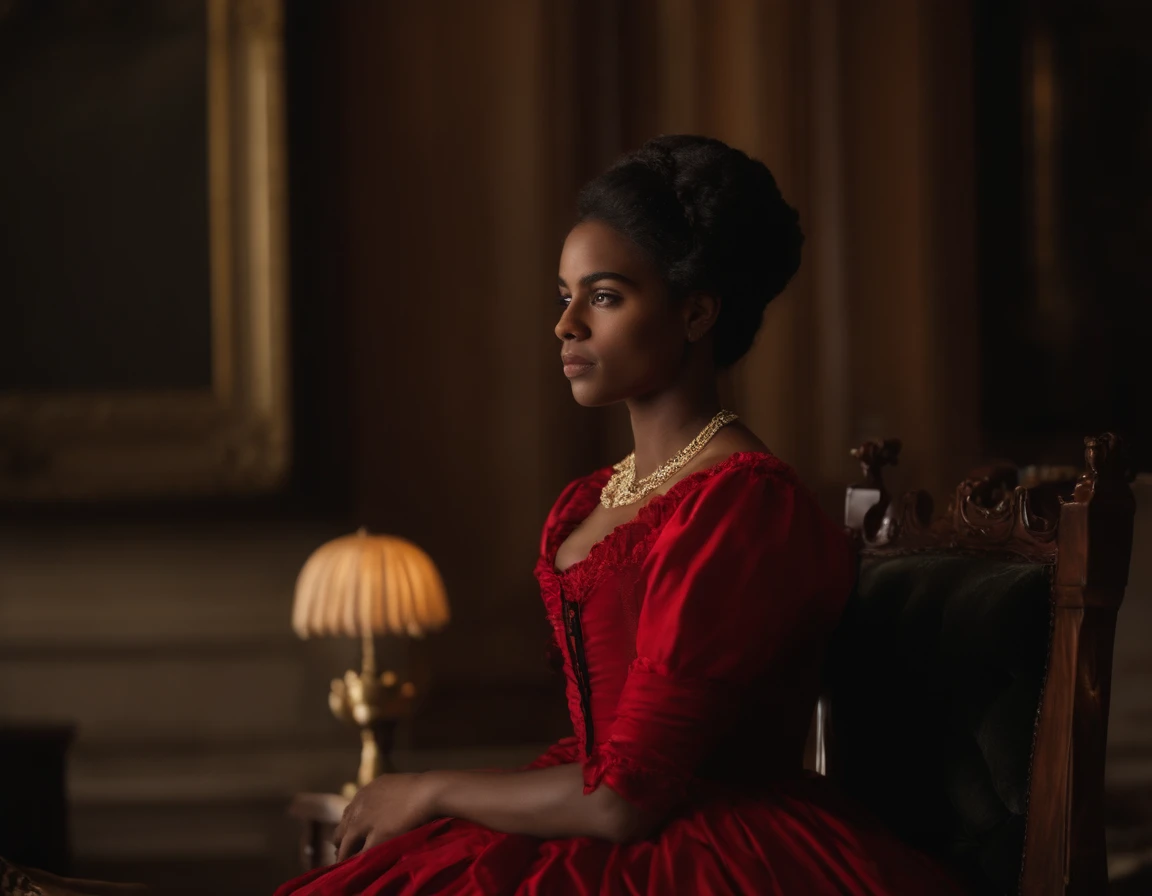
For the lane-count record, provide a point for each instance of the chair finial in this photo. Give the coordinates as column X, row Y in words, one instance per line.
column 874, row 456
column 1105, row 465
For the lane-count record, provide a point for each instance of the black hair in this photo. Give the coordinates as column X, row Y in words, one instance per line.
column 713, row 220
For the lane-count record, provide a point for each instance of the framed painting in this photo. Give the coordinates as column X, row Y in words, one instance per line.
column 143, row 332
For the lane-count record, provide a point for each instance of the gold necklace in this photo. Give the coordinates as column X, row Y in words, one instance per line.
column 623, row 488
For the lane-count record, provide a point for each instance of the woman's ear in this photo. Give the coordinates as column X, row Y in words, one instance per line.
column 700, row 312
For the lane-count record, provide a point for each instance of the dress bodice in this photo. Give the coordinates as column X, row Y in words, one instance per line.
column 674, row 613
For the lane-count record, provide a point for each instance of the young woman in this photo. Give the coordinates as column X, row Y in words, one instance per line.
column 692, row 589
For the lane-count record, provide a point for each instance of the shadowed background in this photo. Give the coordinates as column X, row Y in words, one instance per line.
column 973, row 181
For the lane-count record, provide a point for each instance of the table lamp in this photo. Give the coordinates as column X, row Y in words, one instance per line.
column 361, row 586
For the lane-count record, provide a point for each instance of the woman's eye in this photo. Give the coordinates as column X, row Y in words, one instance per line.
column 599, row 299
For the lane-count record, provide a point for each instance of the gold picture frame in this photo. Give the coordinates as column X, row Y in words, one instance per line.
column 233, row 437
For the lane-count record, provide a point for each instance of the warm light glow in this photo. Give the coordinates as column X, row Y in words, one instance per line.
column 365, row 584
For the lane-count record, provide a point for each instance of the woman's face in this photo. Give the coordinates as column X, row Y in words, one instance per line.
column 621, row 335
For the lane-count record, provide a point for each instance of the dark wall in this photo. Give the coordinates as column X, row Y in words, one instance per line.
column 1064, row 149
column 322, row 365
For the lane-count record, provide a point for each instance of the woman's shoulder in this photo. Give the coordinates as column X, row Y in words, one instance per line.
column 737, row 474
column 753, row 491
column 753, row 505
column 735, row 438
column 735, row 451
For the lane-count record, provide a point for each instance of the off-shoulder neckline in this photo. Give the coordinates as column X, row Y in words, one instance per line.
column 587, row 495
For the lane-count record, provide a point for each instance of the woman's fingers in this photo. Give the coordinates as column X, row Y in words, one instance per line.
column 353, row 841
column 342, row 826
column 351, row 844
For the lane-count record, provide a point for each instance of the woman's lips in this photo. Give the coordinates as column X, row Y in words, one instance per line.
column 575, row 365
column 571, row 370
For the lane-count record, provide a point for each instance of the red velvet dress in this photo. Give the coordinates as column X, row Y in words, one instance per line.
column 692, row 638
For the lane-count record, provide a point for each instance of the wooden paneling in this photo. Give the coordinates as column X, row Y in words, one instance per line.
column 436, row 151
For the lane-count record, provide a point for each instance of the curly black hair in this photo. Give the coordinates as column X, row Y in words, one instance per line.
column 714, row 221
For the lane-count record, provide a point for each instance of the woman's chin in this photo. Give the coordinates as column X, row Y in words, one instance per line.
column 588, row 396
column 585, row 401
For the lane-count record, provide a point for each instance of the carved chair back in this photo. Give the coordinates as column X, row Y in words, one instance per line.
column 966, row 700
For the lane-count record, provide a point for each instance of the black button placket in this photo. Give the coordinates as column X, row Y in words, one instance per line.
column 579, row 666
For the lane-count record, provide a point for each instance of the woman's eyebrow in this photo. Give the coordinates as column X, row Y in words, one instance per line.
column 589, row 279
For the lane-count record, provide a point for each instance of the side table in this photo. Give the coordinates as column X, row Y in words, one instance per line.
column 34, row 794
column 318, row 814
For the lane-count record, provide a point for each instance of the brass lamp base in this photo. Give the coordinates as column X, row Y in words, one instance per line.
column 376, row 703
column 376, row 740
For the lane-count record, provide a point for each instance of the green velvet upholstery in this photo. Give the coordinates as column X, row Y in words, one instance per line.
column 935, row 682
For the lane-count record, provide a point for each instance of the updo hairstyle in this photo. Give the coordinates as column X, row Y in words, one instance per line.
column 712, row 219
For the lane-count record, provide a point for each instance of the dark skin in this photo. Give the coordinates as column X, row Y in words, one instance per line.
column 650, row 353
column 655, row 355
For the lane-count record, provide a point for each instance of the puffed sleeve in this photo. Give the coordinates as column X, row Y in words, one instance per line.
column 737, row 572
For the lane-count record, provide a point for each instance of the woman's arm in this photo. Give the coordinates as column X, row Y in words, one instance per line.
column 547, row 803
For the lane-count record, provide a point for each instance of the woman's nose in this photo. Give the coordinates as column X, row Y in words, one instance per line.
column 570, row 326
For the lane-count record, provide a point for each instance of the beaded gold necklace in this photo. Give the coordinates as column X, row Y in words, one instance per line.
column 623, row 488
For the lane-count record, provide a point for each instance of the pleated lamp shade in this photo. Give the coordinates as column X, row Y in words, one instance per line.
column 361, row 585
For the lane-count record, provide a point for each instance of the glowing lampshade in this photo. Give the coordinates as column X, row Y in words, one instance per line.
column 363, row 585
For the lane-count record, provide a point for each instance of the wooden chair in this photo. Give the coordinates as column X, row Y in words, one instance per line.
column 966, row 700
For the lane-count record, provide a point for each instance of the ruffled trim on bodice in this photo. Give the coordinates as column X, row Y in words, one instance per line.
column 630, row 539
column 627, row 544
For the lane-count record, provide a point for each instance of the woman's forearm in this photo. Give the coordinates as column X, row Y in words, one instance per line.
column 548, row 802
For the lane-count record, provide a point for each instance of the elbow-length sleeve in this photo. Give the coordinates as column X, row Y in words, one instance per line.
column 744, row 564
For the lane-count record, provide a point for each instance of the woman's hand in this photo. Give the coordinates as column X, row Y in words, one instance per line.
column 389, row 806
